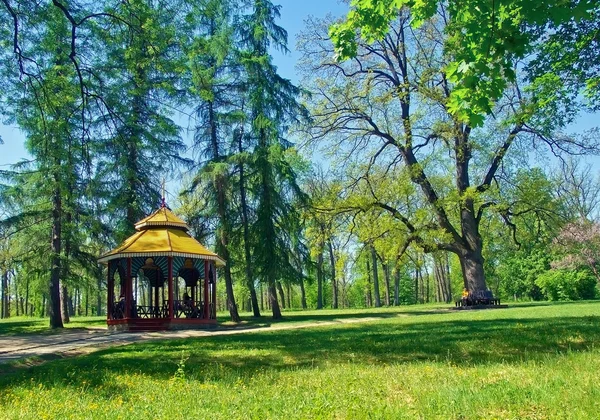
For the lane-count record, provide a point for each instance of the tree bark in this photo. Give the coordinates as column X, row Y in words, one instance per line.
column 368, row 291
column 441, row 271
column 273, row 301
column 471, row 264
column 334, row 283
column 320, row 278
column 386, row 274
column 64, row 303
column 281, row 294
column 303, row 294
column 54, row 286
column 5, row 312
column 247, row 255
column 397, row 287
column 375, row 278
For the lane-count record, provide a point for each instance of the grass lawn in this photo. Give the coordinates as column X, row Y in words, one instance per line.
column 28, row 325
column 527, row 361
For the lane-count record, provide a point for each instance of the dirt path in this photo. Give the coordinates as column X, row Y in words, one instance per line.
column 86, row 341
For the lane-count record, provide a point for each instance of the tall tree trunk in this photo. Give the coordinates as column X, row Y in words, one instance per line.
column 303, row 294
column 334, row 283
column 273, row 301
column 289, row 295
column 375, row 277
column 64, row 300
column 368, row 291
column 281, row 294
column 386, row 274
column 17, row 308
column 262, row 298
column 54, row 286
column 397, row 286
column 99, row 298
column 320, row 278
column 417, row 275
column 5, row 312
column 427, row 277
column 247, row 255
column 442, row 275
column 220, row 185
column 26, row 312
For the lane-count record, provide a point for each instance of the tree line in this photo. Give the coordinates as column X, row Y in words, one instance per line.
column 433, row 181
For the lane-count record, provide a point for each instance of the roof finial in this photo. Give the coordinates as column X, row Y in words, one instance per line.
column 163, row 202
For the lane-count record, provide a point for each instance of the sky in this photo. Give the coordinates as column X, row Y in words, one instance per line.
column 293, row 15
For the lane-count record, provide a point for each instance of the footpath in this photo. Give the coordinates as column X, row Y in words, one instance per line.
column 81, row 341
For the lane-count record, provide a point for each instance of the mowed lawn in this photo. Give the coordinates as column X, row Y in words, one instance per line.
column 527, row 361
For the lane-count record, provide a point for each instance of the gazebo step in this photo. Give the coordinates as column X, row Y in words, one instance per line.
column 147, row 328
column 148, row 325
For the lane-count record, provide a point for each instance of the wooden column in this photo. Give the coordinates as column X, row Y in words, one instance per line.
column 156, row 306
column 206, row 304
column 170, row 287
column 110, row 294
column 214, row 292
column 128, row 290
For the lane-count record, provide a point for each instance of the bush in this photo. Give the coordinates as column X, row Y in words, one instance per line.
column 567, row 284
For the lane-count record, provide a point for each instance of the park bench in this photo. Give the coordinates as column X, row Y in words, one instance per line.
column 477, row 298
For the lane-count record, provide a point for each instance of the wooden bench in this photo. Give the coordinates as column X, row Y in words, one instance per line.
column 479, row 297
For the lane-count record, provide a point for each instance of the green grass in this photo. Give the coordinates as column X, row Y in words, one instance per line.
column 27, row 325
column 527, row 361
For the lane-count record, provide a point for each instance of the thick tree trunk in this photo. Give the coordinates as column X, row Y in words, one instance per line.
column 54, row 286
column 472, row 269
column 334, row 283
column 470, row 255
column 375, row 278
column 320, row 279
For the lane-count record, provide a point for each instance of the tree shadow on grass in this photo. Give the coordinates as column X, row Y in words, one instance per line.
column 226, row 358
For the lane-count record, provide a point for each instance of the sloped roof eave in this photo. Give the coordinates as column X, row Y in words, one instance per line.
column 108, row 257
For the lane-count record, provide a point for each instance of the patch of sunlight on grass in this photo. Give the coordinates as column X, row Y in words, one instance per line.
column 527, row 361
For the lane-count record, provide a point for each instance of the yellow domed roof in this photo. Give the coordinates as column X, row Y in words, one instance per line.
column 161, row 234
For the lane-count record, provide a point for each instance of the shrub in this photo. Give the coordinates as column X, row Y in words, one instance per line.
column 567, row 284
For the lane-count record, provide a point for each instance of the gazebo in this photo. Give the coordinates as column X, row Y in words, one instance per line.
column 166, row 278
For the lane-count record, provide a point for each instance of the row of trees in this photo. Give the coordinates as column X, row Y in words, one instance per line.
column 431, row 184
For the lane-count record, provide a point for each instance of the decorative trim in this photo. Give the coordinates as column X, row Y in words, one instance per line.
column 165, row 223
column 221, row 262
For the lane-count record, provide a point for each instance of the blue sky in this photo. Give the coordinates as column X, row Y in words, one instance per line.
column 293, row 15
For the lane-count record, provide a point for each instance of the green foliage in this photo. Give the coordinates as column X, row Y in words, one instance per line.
column 485, row 41
column 567, row 284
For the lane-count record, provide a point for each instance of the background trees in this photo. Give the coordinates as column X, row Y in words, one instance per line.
column 432, row 148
